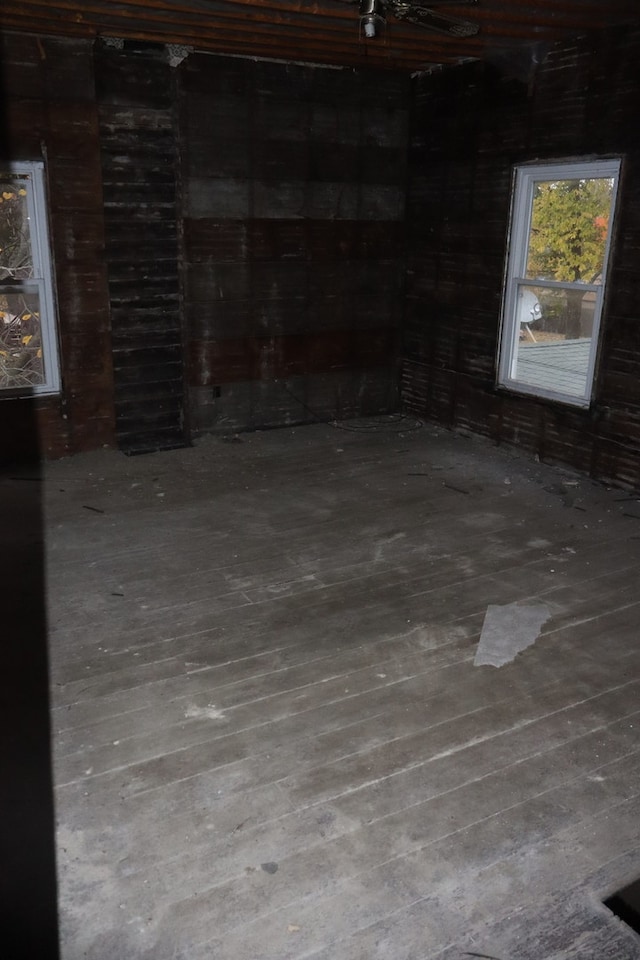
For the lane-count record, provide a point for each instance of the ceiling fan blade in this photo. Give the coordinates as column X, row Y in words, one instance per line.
column 430, row 4
column 440, row 22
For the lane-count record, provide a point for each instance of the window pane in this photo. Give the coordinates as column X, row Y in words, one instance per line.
column 556, row 276
column 554, row 338
column 16, row 261
column 569, row 227
column 21, row 362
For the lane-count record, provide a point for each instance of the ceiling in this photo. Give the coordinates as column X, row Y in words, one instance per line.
column 319, row 31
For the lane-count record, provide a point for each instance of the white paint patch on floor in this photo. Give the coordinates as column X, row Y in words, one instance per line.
column 210, row 712
column 507, row 631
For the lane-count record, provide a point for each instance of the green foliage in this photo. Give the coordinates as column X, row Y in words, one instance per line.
column 569, row 229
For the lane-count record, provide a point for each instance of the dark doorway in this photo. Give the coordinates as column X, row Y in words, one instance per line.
column 625, row 904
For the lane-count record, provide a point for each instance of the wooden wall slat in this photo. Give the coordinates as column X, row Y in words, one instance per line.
column 50, row 113
column 293, row 240
column 135, row 95
column 470, row 126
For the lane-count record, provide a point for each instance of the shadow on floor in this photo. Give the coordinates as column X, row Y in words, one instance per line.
column 28, row 884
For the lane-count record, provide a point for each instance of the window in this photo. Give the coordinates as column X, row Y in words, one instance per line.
column 560, row 235
column 28, row 350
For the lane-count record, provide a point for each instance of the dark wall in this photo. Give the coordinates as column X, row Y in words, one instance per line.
column 138, row 142
column 227, row 236
column 470, row 125
column 238, row 227
column 293, row 202
column 49, row 112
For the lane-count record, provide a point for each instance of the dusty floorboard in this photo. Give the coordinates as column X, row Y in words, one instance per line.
column 271, row 741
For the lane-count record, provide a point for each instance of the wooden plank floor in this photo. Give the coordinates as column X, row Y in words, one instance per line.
column 270, row 738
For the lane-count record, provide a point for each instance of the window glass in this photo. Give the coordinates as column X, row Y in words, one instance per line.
column 21, row 359
column 569, row 227
column 560, row 241
column 28, row 356
column 16, row 259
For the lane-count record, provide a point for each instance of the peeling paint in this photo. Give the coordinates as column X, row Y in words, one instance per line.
column 507, row 631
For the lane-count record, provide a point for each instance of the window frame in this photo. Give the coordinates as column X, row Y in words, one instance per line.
column 525, row 177
column 41, row 281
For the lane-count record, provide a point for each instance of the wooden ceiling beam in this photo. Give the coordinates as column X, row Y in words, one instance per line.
column 261, row 48
column 173, row 30
column 427, row 45
column 322, row 31
column 310, row 28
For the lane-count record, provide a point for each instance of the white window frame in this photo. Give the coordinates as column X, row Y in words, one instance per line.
column 42, row 280
column 525, row 178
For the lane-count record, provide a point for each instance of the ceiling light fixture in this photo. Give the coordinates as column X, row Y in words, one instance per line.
column 423, row 13
column 372, row 18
